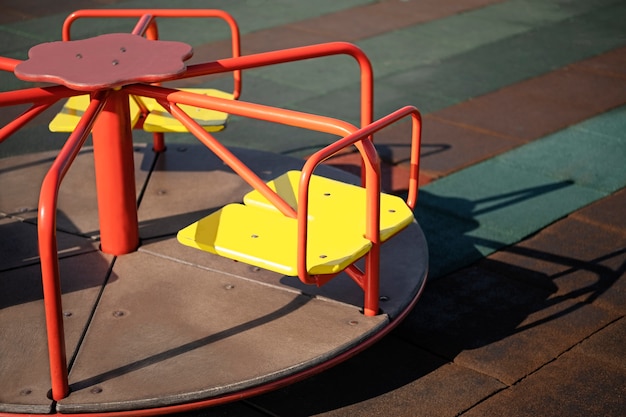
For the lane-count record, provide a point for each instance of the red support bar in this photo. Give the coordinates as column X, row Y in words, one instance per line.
column 8, row 64
column 298, row 54
column 230, row 159
column 46, row 227
column 22, row 119
column 115, row 177
column 36, row 95
column 144, row 24
column 242, row 108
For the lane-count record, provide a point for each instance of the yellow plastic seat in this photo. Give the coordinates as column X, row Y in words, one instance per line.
column 337, row 202
column 74, row 108
column 267, row 239
column 157, row 120
column 258, row 234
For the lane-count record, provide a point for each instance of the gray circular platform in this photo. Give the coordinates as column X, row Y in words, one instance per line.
column 168, row 324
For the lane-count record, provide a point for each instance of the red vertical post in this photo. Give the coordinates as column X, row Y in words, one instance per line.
column 115, row 177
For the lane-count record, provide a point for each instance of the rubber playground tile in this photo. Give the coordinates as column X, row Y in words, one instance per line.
column 611, row 124
column 575, row 385
column 542, row 105
column 404, row 378
column 376, row 18
column 448, row 147
column 538, row 12
column 26, row 10
column 500, row 197
column 451, row 79
column 282, row 37
column 607, row 213
column 612, row 63
column 475, row 318
column 435, row 41
column 607, row 344
column 579, row 260
column 454, row 242
column 389, row 53
column 570, row 152
column 253, row 15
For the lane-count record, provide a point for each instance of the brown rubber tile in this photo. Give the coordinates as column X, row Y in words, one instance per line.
column 607, row 345
column 542, row 105
column 392, row 378
column 608, row 213
column 578, row 259
column 448, row 147
column 478, row 318
column 612, row 64
column 384, row 16
column 395, row 178
column 281, row 37
column 576, row 384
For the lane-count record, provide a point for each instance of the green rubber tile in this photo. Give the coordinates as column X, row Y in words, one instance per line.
column 458, row 34
column 612, row 124
column 455, row 242
column 469, row 73
column 590, row 154
column 506, row 198
column 436, row 40
column 319, row 75
column 251, row 15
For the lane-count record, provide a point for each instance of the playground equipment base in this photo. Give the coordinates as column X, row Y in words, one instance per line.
column 169, row 328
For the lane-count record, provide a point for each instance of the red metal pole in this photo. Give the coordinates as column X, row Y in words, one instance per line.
column 46, row 227
column 115, row 177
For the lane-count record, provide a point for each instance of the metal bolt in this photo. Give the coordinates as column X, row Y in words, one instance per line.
column 391, row 211
column 26, row 391
column 122, row 49
column 96, row 390
column 182, row 149
column 229, row 286
column 115, row 62
column 161, row 192
column 384, row 298
column 118, row 313
column 79, row 56
column 254, row 236
column 67, row 314
column 353, row 322
column 255, row 269
column 327, row 194
column 323, row 256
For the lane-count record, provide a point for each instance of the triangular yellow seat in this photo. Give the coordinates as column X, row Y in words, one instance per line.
column 268, row 239
column 337, row 202
column 74, row 108
column 258, row 234
column 158, row 120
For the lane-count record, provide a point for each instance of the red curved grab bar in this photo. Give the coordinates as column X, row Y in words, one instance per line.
column 46, row 228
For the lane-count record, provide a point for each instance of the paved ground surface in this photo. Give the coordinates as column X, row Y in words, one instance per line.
column 523, row 200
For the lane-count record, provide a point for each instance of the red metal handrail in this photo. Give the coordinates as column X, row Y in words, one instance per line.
column 46, row 227
column 170, row 99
